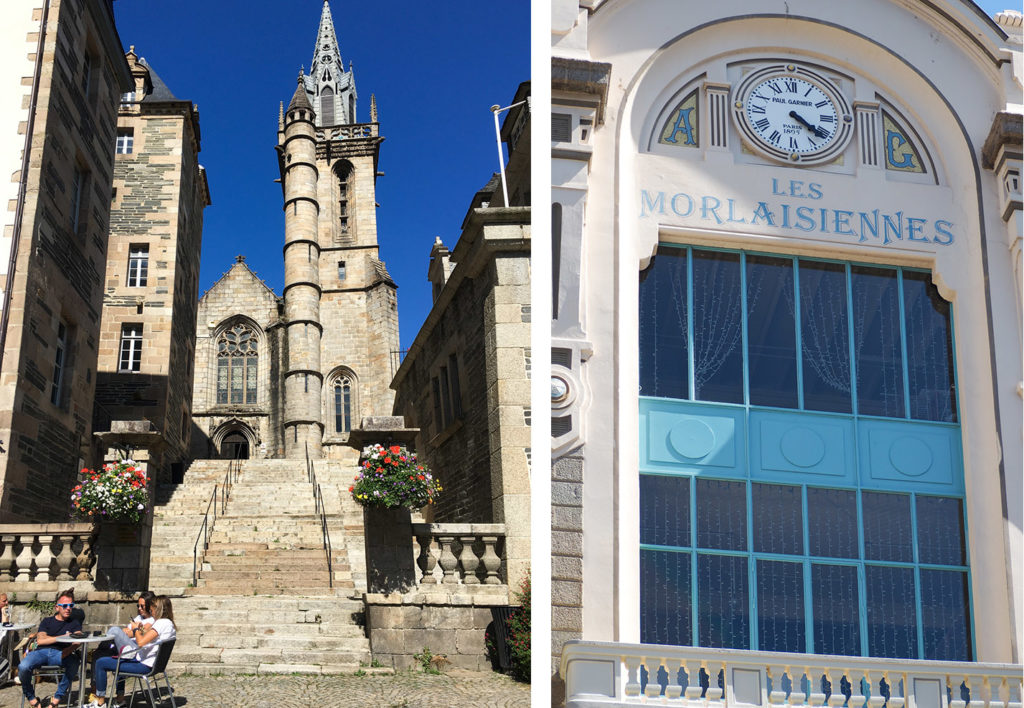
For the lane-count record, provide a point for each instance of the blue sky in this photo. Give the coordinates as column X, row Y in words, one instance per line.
column 435, row 68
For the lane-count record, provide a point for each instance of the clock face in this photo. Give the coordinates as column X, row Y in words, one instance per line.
column 793, row 115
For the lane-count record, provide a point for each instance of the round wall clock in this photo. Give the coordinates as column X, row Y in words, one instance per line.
column 792, row 114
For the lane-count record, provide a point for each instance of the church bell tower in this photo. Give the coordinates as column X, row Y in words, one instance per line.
column 340, row 305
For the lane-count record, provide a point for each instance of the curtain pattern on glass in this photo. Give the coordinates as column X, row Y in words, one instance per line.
column 876, row 334
column 237, row 365
column 665, row 598
column 780, row 606
column 717, row 327
column 664, row 366
column 890, row 591
column 723, row 613
column 843, row 309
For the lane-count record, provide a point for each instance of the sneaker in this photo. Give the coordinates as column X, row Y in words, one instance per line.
column 17, row 679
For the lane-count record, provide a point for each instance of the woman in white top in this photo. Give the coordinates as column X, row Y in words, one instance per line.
column 121, row 637
column 147, row 640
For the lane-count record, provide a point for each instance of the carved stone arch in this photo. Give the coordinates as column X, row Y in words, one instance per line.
column 235, row 337
column 234, row 438
column 340, row 403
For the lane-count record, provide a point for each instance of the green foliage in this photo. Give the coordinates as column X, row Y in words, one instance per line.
column 359, row 673
column 427, row 661
column 390, row 477
column 116, row 492
column 43, row 607
column 519, row 634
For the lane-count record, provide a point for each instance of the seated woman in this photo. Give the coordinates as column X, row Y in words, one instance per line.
column 147, row 639
column 123, row 637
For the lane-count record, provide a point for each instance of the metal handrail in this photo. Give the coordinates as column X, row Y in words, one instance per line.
column 205, row 529
column 319, row 508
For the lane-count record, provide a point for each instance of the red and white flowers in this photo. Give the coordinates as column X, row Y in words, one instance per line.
column 117, row 492
column 390, row 477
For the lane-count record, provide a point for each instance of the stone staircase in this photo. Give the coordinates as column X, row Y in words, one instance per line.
column 264, row 601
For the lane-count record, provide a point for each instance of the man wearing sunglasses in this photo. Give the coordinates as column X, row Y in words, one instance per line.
column 49, row 653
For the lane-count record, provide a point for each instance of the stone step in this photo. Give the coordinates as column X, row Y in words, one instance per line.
column 280, row 578
column 260, row 550
column 281, row 644
column 341, row 588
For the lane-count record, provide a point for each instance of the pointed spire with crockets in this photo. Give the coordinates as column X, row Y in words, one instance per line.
column 331, row 89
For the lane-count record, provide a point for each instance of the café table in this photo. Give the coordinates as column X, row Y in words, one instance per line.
column 8, row 648
column 84, row 643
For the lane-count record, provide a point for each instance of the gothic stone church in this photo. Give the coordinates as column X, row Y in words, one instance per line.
column 277, row 376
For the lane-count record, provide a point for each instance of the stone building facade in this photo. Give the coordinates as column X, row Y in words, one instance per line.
column 325, row 347
column 787, row 262
column 465, row 381
column 57, row 231
column 147, row 337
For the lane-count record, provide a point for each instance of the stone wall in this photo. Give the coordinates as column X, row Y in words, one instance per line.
column 566, row 553
column 57, row 279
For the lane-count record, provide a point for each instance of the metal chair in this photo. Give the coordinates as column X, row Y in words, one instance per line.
column 54, row 672
column 159, row 670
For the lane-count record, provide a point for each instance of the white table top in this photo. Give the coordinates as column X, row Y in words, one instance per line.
column 18, row 627
column 68, row 639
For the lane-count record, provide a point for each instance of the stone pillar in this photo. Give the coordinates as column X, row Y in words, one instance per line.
column 303, row 427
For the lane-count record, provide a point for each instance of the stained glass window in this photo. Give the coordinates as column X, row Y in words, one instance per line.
column 237, row 365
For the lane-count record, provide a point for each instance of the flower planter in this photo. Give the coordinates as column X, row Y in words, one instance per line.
column 122, row 555
column 387, row 535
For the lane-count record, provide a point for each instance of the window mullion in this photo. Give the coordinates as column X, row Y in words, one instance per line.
column 799, row 337
column 754, row 640
column 850, row 339
column 744, row 336
column 689, row 323
column 695, row 588
column 917, row 576
column 808, row 598
column 903, row 344
column 862, row 599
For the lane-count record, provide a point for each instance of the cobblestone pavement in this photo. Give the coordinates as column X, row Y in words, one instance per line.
column 455, row 689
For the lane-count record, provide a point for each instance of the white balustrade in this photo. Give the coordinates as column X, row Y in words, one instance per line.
column 465, row 554
column 601, row 674
column 46, row 552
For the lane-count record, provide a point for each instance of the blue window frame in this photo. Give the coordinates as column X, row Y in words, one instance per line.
column 801, row 483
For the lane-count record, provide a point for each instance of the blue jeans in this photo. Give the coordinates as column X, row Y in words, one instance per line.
column 109, row 663
column 47, row 656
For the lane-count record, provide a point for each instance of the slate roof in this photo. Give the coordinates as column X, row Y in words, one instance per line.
column 300, row 99
column 160, row 91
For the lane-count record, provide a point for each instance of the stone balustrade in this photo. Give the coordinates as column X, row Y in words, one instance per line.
column 39, row 553
column 459, row 554
column 615, row 674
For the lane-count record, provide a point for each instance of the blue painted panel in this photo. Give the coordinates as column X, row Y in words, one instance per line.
column 693, row 437
column 910, row 457
column 803, row 448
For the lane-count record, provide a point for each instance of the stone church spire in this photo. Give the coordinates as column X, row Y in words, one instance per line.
column 331, row 89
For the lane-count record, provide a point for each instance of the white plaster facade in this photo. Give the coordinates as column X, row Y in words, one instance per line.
column 948, row 71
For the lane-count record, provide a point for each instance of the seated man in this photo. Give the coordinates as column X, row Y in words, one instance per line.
column 51, row 653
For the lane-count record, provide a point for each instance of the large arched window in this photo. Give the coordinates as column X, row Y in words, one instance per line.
column 327, row 106
column 237, row 364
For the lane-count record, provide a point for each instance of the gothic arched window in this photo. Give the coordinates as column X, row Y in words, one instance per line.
column 343, row 175
column 343, row 405
column 237, row 364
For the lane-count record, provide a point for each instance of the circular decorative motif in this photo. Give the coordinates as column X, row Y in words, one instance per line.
column 559, row 388
column 802, row 447
column 910, row 457
column 792, row 114
column 692, row 439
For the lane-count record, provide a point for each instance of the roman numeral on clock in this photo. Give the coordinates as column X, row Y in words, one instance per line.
column 762, row 124
column 774, row 137
column 827, row 118
column 790, row 85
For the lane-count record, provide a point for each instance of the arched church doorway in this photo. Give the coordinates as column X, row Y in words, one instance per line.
column 235, row 446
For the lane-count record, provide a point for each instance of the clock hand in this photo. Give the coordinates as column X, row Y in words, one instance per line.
column 817, row 130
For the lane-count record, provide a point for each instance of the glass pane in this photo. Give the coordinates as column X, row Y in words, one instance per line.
column 721, row 514
column 771, row 332
column 665, row 510
column 347, row 407
column 940, row 531
column 825, row 344
column 665, row 598
column 250, row 379
column 892, row 612
column 944, row 616
column 664, row 369
column 836, row 609
column 236, row 381
column 888, row 534
column 780, row 606
column 338, row 425
column 930, row 342
column 717, row 327
column 778, row 519
column 832, row 522
column 222, row 381
column 723, row 602
column 876, row 336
